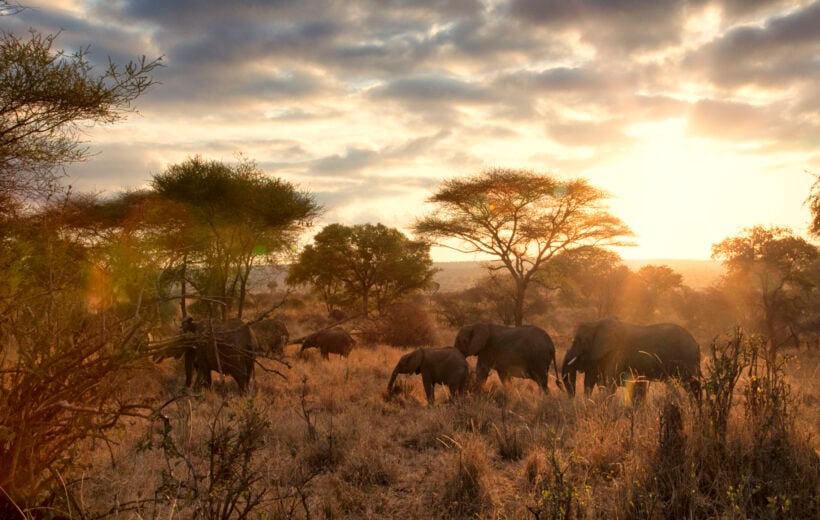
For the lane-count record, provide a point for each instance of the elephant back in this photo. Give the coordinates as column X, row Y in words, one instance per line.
column 272, row 335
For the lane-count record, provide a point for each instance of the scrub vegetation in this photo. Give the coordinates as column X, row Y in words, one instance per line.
column 96, row 422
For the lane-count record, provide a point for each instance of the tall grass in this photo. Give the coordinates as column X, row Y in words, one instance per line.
column 328, row 442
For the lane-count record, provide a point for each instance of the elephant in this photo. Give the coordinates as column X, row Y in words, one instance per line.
column 512, row 351
column 337, row 315
column 609, row 349
column 231, row 349
column 335, row 341
column 446, row 366
column 272, row 335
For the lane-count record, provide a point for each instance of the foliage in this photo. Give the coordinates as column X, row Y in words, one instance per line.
column 760, row 468
column 814, row 207
column 771, row 270
column 62, row 368
column 239, row 218
column 652, row 293
column 407, row 324
column 64, row 355
column 224, row 477
column 45, row 95
column 592, row 277
column 372, row 265
column 521, row 218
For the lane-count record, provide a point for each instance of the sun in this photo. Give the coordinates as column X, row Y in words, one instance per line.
column 680, row 193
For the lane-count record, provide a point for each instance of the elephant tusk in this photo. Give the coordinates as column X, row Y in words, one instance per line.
column 572, row 361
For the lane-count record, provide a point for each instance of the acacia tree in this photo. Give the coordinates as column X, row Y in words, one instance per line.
column 772, row 270
column 241, row 218
column 371, row 265
column 45, row 95
column 523, row 219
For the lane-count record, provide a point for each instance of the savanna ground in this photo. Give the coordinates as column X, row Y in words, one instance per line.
column 328, row 442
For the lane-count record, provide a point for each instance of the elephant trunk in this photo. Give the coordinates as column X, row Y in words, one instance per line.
column 392, row 380
column 568, row 373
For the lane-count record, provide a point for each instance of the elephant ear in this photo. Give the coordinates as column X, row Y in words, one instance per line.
column 602, row 338
column 478, row 339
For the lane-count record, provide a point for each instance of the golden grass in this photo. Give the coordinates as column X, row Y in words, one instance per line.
column 334, row 444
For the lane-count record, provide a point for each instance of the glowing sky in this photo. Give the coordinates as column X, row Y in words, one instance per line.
column 699, row 117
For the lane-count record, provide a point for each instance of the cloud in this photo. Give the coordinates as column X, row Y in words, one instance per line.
column 611, row 25
column 781, row 51
column 369, row 102
column 432, row 88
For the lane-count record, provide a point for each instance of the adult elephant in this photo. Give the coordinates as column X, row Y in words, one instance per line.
column 512, row 351
column 330, row 341
column 445, row 366
column 229, row 347
column 272, row 335
column 610, row 351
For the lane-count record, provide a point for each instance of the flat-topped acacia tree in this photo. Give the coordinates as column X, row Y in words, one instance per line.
column 522, row 218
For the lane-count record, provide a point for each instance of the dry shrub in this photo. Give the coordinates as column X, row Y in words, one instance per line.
column 365, row 467
column 475, row 413
column 467, row 491
column 408, row 325
column 512, row 436
column 753, row 464
column 553, row 494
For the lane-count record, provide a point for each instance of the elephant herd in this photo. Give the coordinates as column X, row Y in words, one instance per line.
column 609, row 352
column 231, row 347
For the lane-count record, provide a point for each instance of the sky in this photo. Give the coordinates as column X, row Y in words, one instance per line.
column 699, row 117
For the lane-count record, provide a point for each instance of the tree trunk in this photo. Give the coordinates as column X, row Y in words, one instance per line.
column 520, row 294
column 184, row 288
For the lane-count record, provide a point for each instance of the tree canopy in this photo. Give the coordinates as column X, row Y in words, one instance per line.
column 522, row 218
column 240, row 217
column 814, row 207
column 44, row 96
column 773, row 269
column 61, row 363
column 369, row 265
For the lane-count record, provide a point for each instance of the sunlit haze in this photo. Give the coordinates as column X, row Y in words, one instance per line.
column 700, row 118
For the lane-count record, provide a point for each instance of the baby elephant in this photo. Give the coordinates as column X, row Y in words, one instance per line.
column 330, row 341
column 446, row 366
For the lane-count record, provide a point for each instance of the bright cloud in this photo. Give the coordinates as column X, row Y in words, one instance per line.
column 700, row 117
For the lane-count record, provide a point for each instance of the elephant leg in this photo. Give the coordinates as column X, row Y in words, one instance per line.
column 190, row 366
column 640, row 387
column 541, row 379
column 590, row 380
column 692, row 383
column 429, row 387
column 482, row 372
column 455, row 388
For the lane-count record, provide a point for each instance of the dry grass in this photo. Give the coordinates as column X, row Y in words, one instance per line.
column 329, row 442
